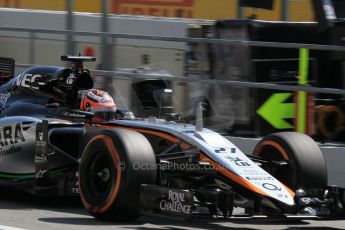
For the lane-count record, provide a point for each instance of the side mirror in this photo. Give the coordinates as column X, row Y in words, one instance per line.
column 163, row 98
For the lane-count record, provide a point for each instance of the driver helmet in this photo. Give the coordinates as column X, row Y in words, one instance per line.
column 100, row 103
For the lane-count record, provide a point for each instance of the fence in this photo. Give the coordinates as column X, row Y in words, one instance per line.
column 31, row 50
column 199, row 80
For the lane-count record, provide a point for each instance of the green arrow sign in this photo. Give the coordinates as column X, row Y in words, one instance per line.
column 274, row 110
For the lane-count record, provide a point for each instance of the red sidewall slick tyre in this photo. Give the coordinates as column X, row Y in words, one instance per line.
column 111, row 172
column 306, row 167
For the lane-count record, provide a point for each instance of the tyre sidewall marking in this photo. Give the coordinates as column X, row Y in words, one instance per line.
column 273, row 144
column 116, row 159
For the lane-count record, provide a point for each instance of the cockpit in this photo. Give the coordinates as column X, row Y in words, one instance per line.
column 62, row 85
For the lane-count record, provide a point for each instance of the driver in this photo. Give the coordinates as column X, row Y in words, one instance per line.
column 100, row 103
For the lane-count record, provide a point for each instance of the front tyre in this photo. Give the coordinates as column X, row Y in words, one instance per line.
column 306, row 167
column 113, row 166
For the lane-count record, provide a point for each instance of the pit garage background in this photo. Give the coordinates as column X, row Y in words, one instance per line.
column 139, row 69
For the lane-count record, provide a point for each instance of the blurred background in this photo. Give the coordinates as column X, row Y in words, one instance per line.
column 247, row 60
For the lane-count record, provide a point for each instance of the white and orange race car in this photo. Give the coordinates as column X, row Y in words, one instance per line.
column 122, row 168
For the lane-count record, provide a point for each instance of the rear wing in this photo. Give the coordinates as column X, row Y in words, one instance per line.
column 78, row 58
column 6, row 69
column 77, row 61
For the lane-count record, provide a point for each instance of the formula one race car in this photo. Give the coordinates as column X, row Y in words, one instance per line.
column 50, row 145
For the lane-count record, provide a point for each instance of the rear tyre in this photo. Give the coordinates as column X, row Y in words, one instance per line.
column 306, row 166
column 113, row 166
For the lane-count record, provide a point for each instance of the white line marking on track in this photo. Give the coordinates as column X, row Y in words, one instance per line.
column 4, row 227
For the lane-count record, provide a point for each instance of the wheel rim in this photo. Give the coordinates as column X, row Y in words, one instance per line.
column 102, row 176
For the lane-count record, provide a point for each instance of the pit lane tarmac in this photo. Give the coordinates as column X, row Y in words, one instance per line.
column 23, row 211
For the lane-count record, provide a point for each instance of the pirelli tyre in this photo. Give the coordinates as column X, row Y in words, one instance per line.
column 305, row 168
column 113, row 166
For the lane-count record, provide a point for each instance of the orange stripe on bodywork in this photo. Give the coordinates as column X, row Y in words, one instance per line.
column 185, row 146
column 288, row 189
column 232, row 176
column 163, row 135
